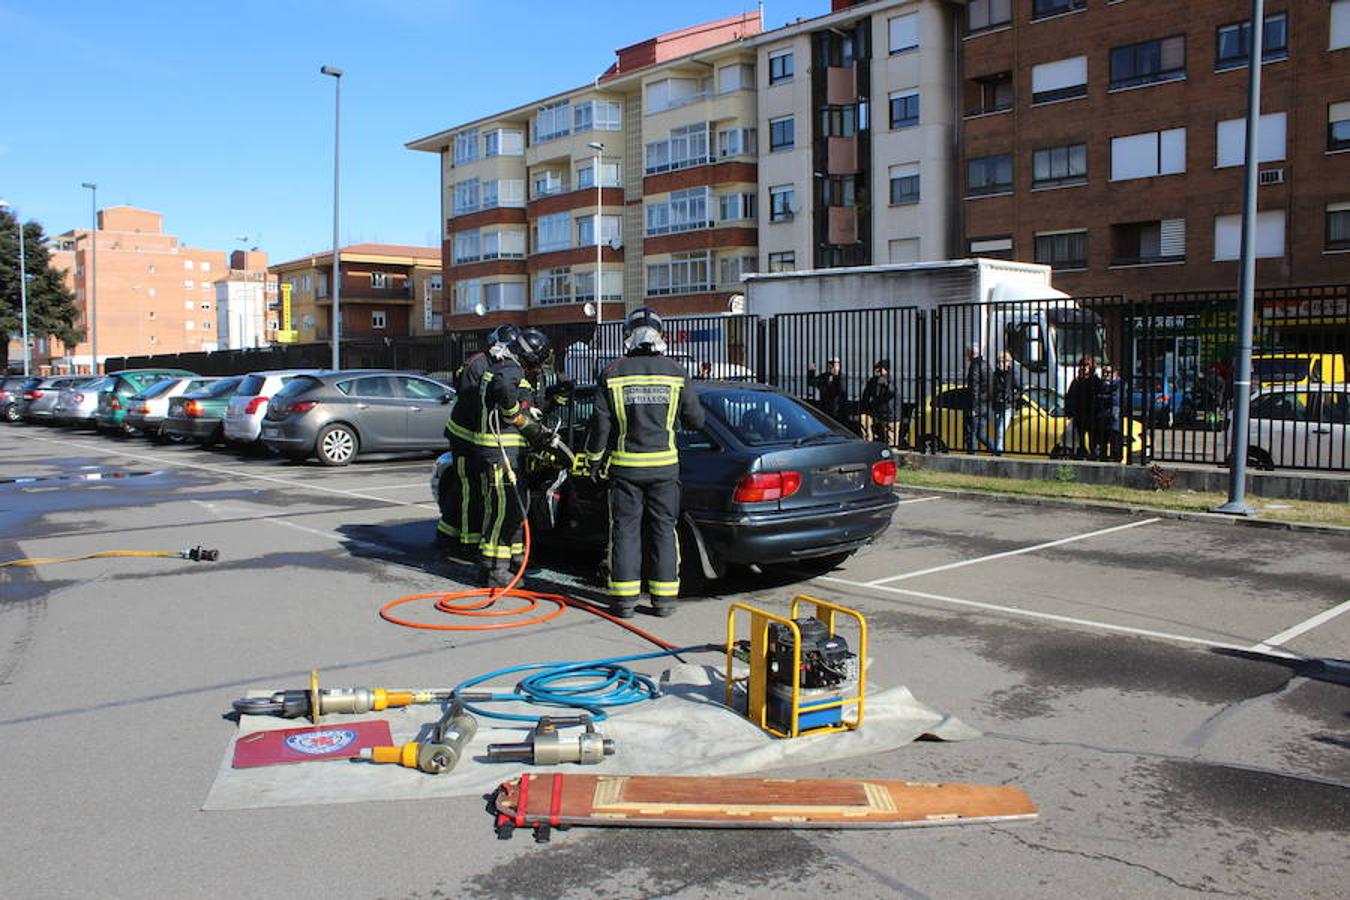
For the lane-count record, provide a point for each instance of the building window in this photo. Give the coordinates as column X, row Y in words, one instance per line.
column 553, row 286
column 991, row 247
column 782, row 204
column 1338, row 126
column 985, row 14
column 783, row 262
column 904, row 109
column 1233, row 43
column 548, row 183
column 553, row 121
column 1150, row 62
column 598, row 115
column 989, row 175
column 670, row 93
column 782, row 133
column 838, row 191
column 466, row 196
column 686, row 147
column 377, row 319
column 780, row 67
column 1340, row 24
column 1062, row 249
column 904, row 184
column 1059, row 166
column 187, row 264
column 504, row 142
column 611, row 282
column 189, row 325
column 736, row 207
column 1269, row 235
column 904, row 250
column 685, row 211
column 467, row 246
column 468, row 294
column 1231, row 140
column 1148, row 154
column 503, row 192
column 730, row 269
column 736, row 77
column 610, row 174
column 611, row 231
column 189, row 284
column 737, row 142
column 904, row 32
column 379, row 280
column 1041, row 9
column 989, row 94
column 504, row 245
column 839, row 121
column 1148, row 243
column 504, row 295
column 206, row 326
column 206, row 266
column 152, row 313
column 1338, row 226
column 553, row 232
column 466, row 146
column 686, row 273
column 1065, row 79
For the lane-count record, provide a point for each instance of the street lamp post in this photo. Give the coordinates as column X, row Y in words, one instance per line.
column 599, row 148
column 92, row 280
column 23, row 287
column 336, row 74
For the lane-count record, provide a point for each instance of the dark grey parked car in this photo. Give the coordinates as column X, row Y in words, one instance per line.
column 12, row 390
column 338, row 415
column 39, row 402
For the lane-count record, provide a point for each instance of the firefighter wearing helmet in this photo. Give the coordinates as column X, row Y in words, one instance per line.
column 632, row 440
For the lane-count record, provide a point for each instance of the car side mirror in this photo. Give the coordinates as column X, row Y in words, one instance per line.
column 447, row 397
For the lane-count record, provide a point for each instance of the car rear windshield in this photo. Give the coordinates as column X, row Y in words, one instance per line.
column 251, row 386
column 159, row 388
column 764, row 417
column 302, row 384
column 222, row 388
column 1282, row 369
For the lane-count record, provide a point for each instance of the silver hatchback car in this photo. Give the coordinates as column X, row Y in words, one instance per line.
column 78, row 406
column 39, row 402
column 244, row 414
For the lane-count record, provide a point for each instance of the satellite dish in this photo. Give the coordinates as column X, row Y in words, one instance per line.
column 479, row 309
column 616, row 243
column 736, row 304
column 308, row 321
column 589, row 309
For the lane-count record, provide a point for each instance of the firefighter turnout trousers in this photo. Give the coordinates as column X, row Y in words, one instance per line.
column 643, row 513
column 503, row 536
column 460, row 498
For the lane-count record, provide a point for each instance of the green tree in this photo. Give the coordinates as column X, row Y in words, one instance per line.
column 51, row 305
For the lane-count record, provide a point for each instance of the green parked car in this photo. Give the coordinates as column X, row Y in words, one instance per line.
column 200, row 415
column 110, row 415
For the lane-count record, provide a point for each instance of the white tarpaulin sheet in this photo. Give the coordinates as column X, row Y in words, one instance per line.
column 685, row 731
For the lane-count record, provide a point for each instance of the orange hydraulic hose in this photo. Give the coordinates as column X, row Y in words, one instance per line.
column 484, row 600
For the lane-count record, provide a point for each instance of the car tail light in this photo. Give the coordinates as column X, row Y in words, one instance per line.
column 192, row 408
column 254, row 405
column 300, row 407
column 32, row 395
column 762, row 487
column 114, row 403
column 883, row 473
column 144, row 411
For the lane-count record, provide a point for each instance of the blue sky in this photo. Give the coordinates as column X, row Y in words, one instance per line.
column 217, row 116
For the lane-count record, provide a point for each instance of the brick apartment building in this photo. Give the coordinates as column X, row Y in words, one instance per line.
column 724, row 149
column 1106, row 139
column 388, row 290
column 153, row 294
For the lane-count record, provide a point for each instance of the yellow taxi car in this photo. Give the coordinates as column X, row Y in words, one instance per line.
column 1038, row 427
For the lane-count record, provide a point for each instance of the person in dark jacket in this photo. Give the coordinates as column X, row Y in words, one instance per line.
column 1107, row 435
column 978, row 383
column 1006, row 393
column 458, row 495
column 830, row 389
column 1080, row 403
column 632, row 441
column 878, row 399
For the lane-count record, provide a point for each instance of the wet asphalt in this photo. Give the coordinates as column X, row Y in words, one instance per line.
column 1112, row 674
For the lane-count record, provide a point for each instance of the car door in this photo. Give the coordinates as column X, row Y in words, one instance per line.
column 1279, row 425
column 379, row 411
column 428, row 409
column 1331, row 429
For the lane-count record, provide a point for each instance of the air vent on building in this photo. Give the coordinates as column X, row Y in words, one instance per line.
column 1272, row 176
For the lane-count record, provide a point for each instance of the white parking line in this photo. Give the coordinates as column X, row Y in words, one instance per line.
column 919, row 499
column 235, row 473
column 1052, row 617
column 1005, row 554
column 422, row 483
column 1270, row 643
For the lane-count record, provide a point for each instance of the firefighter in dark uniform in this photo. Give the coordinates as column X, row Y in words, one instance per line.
column 459, row 496
column 509, row 426
column 632, row 440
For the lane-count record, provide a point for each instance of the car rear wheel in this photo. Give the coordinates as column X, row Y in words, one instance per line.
column 931, row 443
column 1259, row 459
column 11, row 413
column 336, row 445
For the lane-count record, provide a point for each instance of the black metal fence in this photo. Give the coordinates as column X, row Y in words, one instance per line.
column 1098, row 377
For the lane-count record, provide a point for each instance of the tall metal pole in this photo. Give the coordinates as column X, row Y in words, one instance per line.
column 92, row 281
column 1242, row 363
column 23, row 298
column 336, row 74
column 599, row 201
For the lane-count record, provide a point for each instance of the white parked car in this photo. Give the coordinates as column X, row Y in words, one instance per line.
column 244, row 415
column 1305, row 426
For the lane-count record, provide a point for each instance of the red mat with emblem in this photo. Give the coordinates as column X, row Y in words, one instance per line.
column 309, row 744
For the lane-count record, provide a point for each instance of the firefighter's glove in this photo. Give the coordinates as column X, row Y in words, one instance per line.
column 536, row 436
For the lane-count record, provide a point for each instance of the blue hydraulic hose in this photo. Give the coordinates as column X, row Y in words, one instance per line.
column 591, row 687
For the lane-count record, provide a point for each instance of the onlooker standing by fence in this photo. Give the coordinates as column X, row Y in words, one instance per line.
column 878, row 398
column 977, row 392
column 832, row 392
column 1006, row 394
column 1106, row 435
column 1080, row 403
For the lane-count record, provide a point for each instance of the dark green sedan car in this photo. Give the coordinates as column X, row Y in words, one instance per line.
column 111, row 412
column 200, row 415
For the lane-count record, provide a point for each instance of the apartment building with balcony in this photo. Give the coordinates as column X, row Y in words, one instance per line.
column 388, row 290
column 723, row 150
column 1107, row 140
